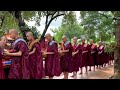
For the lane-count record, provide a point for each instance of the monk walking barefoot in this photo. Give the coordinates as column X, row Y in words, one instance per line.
column 65, row 60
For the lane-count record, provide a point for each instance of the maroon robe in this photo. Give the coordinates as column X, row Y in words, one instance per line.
column 52, row 63
column 106, row 57
column 111, row 56
column 100, row 57
column 66, row 60
column 76, row 60
column 2, row 74
column 85, row 56
column 92, row 56
column 20, row 65
column 36, row 63
column 43, row 44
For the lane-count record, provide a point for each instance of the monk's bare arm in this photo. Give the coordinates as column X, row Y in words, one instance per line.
column 15, row 54
column 49, row 53
column 76, row 51
column 85, row 51
column 64, row 51
column 33, row 51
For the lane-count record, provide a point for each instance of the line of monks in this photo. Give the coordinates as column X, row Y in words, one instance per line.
column 27, row 58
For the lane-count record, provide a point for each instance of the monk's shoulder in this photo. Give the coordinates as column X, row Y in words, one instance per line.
column 21, row 43
column 79, row 45
column 36, row 44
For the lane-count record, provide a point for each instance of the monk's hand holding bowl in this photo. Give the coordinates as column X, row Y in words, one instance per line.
column 73, row 54
column 6, row 52
column 61, row 53
column 92, row 52
column 99, row 52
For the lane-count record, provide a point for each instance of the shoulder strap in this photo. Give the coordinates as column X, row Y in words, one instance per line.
column 20, row 39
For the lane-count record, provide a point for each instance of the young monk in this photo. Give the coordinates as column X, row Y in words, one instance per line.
column 85, row 54
column 2, row 43
column 52, row 63
column 65, row 60
column 76, row 56
column 100, row 58
column 92, row 55
column 35, row 57
column 20, row 57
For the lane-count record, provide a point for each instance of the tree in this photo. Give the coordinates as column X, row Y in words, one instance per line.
column 116, row 31
column 50, row 16
column 117, row 46
column 35, row 15
column 69, row 27
column 98, row 24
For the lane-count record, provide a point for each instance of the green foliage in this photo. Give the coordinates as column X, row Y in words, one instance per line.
column 98, row 25
column 9, row 22
column 70, row 27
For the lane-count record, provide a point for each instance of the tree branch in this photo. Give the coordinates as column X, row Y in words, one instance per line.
column 54, row 18
column 2, row 19
column 47, row 24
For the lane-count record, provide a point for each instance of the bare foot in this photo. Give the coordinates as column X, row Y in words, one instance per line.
column 89, row 69
column 80, row 73
column 72, row 76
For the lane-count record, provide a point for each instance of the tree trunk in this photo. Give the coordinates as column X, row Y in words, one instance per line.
column 117, row 52
column 20, row 22
column 45, row 30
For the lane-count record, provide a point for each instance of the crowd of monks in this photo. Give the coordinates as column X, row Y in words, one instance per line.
column 27, row 58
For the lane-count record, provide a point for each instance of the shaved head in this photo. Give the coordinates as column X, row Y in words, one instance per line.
column 30, row 33
column 83, row 40
column 13, row 33
column 48, row 37
column 75, row 40
column 29, row 36
column 91, row 41
column 64, row 38
column 48, row 34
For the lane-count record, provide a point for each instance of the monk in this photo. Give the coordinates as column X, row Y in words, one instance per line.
column 85, row 54
column 52, row 63
column 92, row 55
column 35, row 57
column 76, row 57
column 66, row 59
column 20, row 57
column 106, row 55
column 2, row 44
column 100, row 55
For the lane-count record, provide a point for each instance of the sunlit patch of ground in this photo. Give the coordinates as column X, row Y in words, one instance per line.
column 103, row 73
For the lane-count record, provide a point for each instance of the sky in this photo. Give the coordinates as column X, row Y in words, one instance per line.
column 53, row 25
